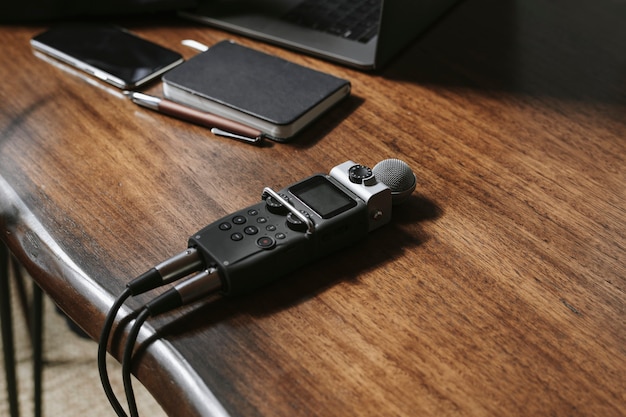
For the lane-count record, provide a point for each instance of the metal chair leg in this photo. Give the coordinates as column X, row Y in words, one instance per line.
column 34, row 320
column 37, row 343
column 6, row 320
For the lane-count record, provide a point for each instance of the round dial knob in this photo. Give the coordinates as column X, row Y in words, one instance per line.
column 275, row 206
column 294, row 223
column 358, row 173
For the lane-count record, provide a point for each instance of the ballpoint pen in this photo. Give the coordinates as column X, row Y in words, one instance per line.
column 219, row 125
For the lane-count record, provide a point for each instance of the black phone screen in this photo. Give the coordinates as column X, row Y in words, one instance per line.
column 110, row 49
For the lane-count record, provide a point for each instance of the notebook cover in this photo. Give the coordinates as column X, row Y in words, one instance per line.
column 260, row 85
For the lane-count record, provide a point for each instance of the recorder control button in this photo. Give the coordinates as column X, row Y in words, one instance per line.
column 236, row 236
column 294, row 223
column 265, row 242
column 358, row 173
column 239, row 220
column 225, row 226
column 251, row 230
column 275, row 206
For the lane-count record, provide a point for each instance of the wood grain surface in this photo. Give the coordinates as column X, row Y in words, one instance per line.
column 497, row 289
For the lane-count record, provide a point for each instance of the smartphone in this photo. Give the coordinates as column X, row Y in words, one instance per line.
column 107, row 52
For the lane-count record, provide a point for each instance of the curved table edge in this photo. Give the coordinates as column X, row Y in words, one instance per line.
column 22, row 232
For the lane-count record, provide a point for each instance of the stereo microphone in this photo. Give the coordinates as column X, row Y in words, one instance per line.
column 292, row 227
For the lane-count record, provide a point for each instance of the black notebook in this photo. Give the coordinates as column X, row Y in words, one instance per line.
column 262, row 91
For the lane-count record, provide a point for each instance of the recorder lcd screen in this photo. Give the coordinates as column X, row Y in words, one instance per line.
column 323, row 197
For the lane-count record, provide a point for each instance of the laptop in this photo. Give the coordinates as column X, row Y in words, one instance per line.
column 364, row 34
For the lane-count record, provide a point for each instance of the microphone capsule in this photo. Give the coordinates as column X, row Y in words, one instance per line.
column 398, row 176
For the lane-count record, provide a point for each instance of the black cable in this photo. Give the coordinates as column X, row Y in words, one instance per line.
column 127, row 361
column 102, row 352
column 169, row 270
column 202, row 284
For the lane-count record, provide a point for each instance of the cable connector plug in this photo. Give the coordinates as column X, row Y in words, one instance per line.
column 200, row 285
column 172, row 269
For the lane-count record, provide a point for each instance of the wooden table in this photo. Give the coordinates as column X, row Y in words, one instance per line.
column 498, row 288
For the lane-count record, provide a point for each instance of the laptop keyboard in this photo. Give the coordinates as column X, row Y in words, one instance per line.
column 351, row 19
